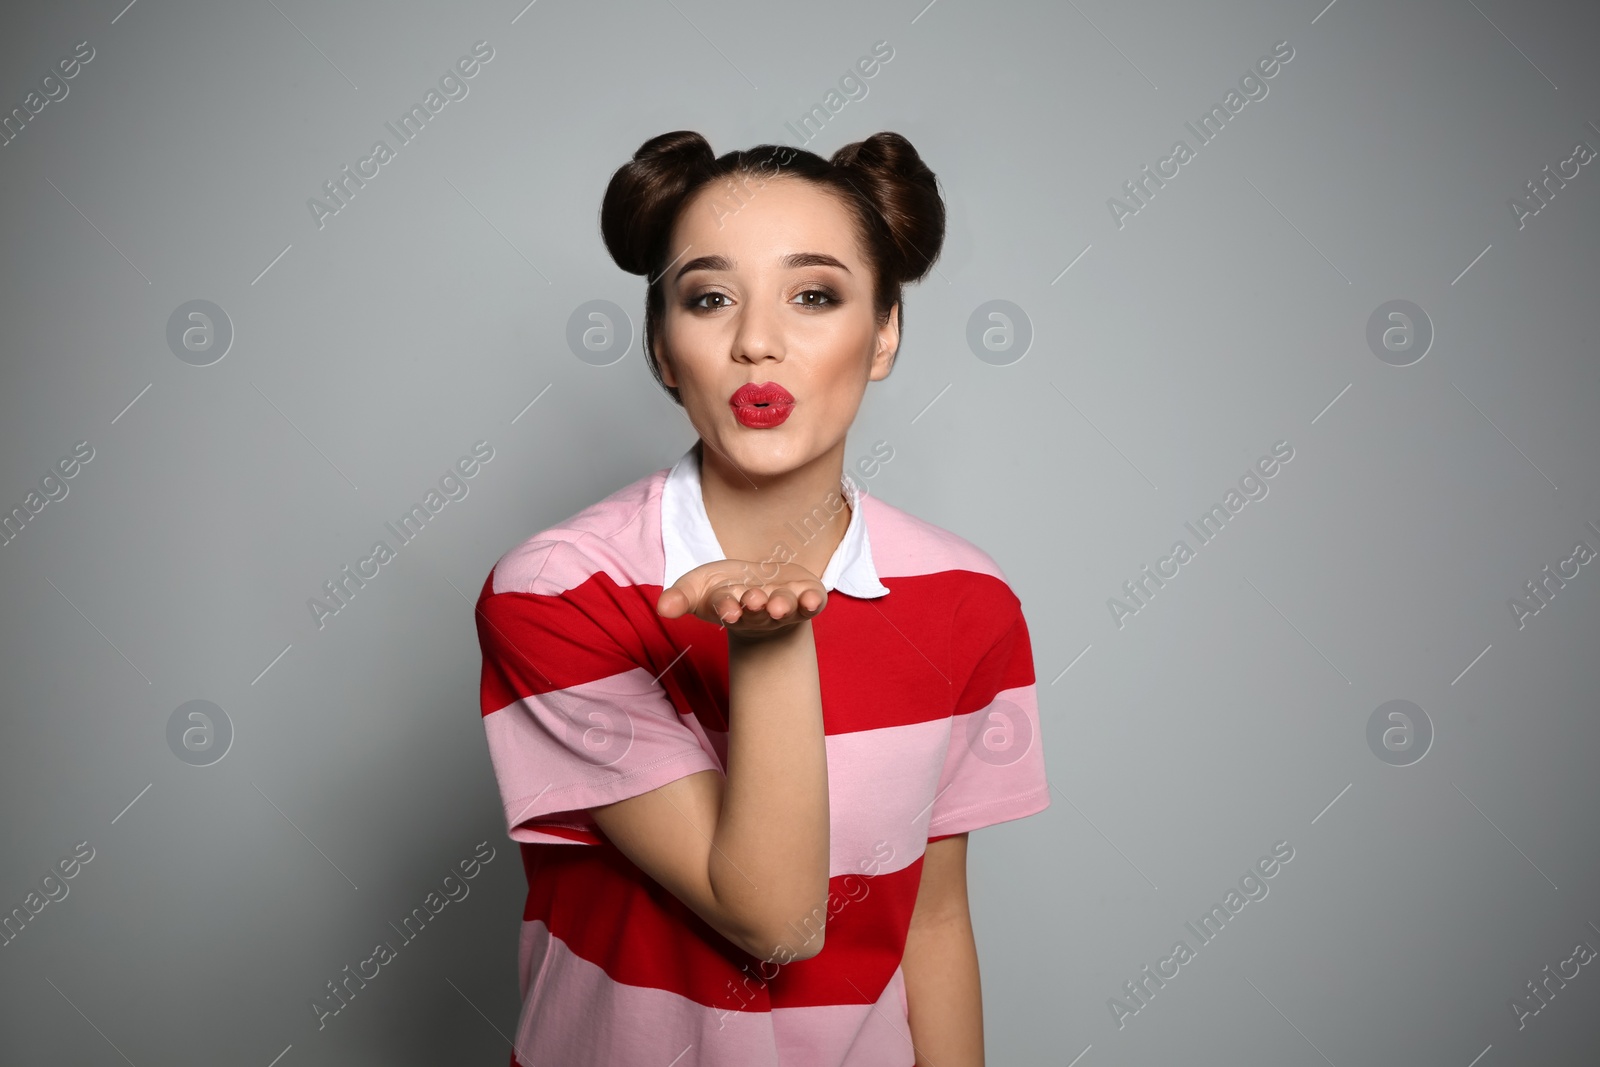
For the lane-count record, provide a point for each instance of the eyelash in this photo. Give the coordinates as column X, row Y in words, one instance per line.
column 693, row 303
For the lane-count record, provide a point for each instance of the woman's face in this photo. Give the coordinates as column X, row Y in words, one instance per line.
column 777, row 290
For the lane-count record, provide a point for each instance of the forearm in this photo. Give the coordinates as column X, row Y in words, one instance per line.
column 943, row 994
column 770, row 859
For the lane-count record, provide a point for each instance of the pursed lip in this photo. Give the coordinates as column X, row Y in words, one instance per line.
column 764, row 394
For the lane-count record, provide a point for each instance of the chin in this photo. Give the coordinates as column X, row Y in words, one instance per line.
column 764, row 451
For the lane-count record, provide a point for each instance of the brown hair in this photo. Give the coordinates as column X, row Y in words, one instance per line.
column 893, row 195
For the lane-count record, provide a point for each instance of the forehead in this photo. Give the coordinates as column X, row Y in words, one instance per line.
column 755, row 224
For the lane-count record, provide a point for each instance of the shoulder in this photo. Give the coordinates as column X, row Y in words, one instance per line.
column 905, row 545
column 619, row 535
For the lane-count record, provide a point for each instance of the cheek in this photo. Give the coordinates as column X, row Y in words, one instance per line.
column 841, row 383
column 825, row 356
column 682, row 342
column 845, row 341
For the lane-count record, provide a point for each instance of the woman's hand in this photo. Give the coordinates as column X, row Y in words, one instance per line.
column 739, row 595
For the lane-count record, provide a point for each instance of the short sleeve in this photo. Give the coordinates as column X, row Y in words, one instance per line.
column 574, row 717
column 994, row 766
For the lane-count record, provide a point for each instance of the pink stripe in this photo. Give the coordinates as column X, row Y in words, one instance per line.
column 590, row 744
column 575, row 1016
column 620, row 535
column 994, row 770
column 880, row 783
column 906, row 546
column 849, row 1035
column 637, row 742
column 539, row 837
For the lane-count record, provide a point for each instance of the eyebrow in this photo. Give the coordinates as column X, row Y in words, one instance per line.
column 792, row 261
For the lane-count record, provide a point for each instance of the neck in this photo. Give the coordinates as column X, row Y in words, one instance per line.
column 798, row 516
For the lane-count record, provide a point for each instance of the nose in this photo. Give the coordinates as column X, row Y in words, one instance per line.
column 759, row 333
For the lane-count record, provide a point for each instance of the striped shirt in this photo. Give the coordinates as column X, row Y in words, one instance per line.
column 589, row 697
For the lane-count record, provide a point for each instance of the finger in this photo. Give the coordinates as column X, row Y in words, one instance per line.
column 725, row 603
column 754, row 599
column 782, row 604
column 672, row 602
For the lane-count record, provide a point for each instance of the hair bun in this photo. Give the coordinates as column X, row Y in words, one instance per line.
column 890, row 173
column 645, row 192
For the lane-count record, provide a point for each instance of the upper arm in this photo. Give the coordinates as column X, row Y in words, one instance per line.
column 942, row 894
column 944, row 995
column 994, row 765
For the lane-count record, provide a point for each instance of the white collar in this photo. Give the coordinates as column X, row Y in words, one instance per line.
column 689, row 541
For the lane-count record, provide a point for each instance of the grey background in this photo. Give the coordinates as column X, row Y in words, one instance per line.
column 1230, row 313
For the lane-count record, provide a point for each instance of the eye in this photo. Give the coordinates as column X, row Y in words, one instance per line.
column 694, row 302
column 827, row 298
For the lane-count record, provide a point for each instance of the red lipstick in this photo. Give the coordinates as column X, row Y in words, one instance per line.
column 761, row 406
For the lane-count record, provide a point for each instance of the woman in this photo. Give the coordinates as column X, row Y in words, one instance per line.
column 741, row 715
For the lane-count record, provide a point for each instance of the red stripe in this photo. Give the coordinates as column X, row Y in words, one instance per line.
column 1005, row 663
column 865, row 943
column 882, row 662
column 612, row 914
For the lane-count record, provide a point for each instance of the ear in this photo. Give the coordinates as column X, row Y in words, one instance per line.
column 667, row 377
column 888, row 346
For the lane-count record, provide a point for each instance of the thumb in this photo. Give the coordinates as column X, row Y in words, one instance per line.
column 672, row 603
